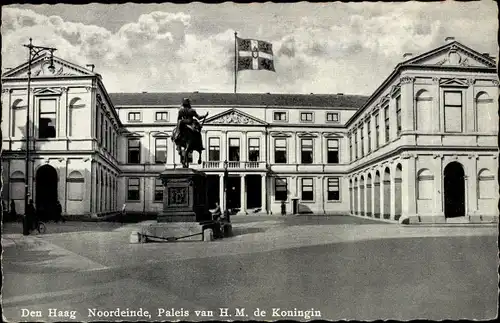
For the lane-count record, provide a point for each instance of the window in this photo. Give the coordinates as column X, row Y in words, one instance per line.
column 425, row 188
column 306, row 116
column 386, row 116
column 134, row 116
column 453, row 111
column 486, row 184
column 350, row 147
column 213, row 149
column 47, row 120
column 105, row 134
column 377, row 129
column 158, row 190
column 161, row 116
column 17, row 185
column 234, row 149
column 280, row 150
column 307, row 189
column 160, row 150
column 306, row 153
column 332, row 117
column 356, row 144
column 101, row 125
column 133, row 189
column 280, row 189
column 333, row 151
column 134, row 151
column 279, row 116
column 398, row 116
column 362, row 139
column 484, row 113
column 333, row 189
column 76, row 187
column 369, row 131
column 253, row 149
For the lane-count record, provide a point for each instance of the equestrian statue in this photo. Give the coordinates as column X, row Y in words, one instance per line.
column 187, row 134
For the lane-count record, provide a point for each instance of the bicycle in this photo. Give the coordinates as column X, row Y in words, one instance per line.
column 40, row 227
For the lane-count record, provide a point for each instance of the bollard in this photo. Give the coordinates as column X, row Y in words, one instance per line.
column 135, row 237
column 208, row 235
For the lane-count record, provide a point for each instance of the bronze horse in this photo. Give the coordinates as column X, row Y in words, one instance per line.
column 188, row 142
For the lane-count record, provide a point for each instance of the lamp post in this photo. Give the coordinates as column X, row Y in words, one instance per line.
column 33, row 53
column 226, row 212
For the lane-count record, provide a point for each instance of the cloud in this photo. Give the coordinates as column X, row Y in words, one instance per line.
column 347, row 48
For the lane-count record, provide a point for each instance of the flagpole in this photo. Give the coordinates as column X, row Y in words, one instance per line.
column 235, row 61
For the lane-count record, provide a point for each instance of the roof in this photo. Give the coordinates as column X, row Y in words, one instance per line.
column 242, row 99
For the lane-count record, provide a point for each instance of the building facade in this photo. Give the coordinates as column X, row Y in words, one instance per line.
column 422, row 147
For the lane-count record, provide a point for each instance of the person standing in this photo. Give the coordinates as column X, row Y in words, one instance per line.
column 283, row 208
column 58, row 210
column 12, row 212
column 31, row 216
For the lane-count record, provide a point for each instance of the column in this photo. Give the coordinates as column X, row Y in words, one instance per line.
column 408, row 175
column 204, row 134
column 407, row 106
column 244, row 148
column 438, row 185
column 243, row 195
column 222, row 193
column 436, row 115
column 392, row 194
column 393, row 130
column 64, row 120
column 223, row 146
column 263, row 186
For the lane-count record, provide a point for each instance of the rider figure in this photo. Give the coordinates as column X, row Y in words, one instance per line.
column 187, row 117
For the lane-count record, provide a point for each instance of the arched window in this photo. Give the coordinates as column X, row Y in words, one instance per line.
column 485, row 113
column 76, row 186
column 18, row 124
column 76, row 112
column 423, row 108
column 425, row 186
column 486, row 184
column 17, row 185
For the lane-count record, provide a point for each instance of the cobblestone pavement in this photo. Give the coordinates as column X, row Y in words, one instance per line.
column 342, row 267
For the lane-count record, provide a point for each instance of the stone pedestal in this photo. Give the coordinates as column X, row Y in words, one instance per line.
column 184, row 196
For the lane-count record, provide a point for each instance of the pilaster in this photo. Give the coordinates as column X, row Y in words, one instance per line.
column 393, row 122
column 293, row 149
column 224, row 146
column 244, row 147
column 469, row 108
column 438, row 185
column 472, row 183
column 436, row 115
column 407, row 103
column 222, row 193
column 409, row 200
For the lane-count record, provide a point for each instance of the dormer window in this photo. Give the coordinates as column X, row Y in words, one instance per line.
column 134, row 116
column 161, row 116
column 279, row 116
column 332, row 117
column 306, row 116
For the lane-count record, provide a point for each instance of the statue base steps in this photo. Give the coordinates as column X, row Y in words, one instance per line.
column 173, row 232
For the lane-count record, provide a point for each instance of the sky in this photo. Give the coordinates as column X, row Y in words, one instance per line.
column 318, row 47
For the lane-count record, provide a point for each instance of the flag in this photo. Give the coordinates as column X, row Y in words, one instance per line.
column 254, row 55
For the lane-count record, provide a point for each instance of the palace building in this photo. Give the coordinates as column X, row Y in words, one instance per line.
column 422, row 147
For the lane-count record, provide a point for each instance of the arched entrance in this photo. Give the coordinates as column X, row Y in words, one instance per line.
column 454, row 190
column 46, row 191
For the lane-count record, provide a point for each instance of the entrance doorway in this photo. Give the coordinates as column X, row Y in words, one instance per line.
column 46, row 191
column 454, row 190
column 213, row 187
column 254, row 191
column 233, row 192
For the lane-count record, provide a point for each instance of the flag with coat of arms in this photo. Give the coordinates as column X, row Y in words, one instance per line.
column 254, row 54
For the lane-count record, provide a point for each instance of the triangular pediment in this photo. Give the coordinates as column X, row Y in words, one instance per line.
column 48, row 91
column 235, row 117
column 454, row 55
column 40, row 68
column 453, row 82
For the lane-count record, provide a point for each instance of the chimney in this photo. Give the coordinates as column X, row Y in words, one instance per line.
column 407, row 55
column 340, row 93
column 92, row 66
column 144, row 91
column 449, row 39
column 486, row 55
column 311, row 93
